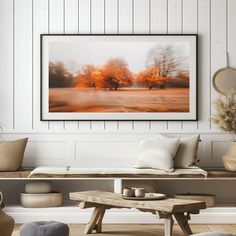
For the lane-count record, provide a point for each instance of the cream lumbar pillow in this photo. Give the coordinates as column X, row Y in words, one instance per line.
column 186, row 154
column 157, row 154
column 11, row 154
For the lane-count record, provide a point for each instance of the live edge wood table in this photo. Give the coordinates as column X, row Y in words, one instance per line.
column 166, row 209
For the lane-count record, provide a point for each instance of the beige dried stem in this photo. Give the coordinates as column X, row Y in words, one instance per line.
column 225, row 115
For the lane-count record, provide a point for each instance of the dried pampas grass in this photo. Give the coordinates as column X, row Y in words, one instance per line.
column 225, row 116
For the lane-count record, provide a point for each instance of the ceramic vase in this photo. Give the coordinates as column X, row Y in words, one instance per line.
column 229, row 159
column 6, row 221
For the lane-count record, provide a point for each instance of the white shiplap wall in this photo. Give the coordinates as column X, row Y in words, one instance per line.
column 22, row 21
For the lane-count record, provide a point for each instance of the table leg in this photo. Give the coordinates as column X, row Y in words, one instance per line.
column 168, row 225
column 182, row 220
column 99, row 222
column 95, row 222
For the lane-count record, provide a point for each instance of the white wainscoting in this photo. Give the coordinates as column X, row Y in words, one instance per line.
column 107, row 149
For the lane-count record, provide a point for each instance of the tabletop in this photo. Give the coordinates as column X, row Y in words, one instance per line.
column 169, row 205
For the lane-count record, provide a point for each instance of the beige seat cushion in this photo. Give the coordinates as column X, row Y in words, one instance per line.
column 186, row 154
column 74, row 172
column 11, row 154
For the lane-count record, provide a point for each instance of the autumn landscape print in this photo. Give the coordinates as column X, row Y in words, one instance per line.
column 118, row 76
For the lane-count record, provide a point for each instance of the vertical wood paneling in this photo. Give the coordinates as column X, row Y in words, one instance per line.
column 84, row 16
column 175, row 14
column 158, row 16
column 125, row 27
column 56, row 26
column 6, row 65
column 56, row 16
column 71, row 27
column 23, row 64
column 71, row 16
column 141, row 26
column 231, row 32
column 84, row 28
column 97, row 16
column 175, row 26
column 20, row 54
column 97, row 27
column 125, row 17
column 190, row 27
column 158, row 25
column 190, row 16
column 111, row 16
column 218, row 42
column 141, row 16
column 204, row 75
column 111, row 27
column 40, row 26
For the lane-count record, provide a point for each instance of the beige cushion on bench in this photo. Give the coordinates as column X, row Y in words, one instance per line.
column 109, row 172
column 186, row 154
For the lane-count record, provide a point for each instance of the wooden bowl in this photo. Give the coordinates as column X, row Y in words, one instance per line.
column 41, row 200
column 209, row 199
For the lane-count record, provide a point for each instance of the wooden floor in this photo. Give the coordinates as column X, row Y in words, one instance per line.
column 141, row 230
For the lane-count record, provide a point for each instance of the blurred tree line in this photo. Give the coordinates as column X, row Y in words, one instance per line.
column 59, row 77
column 162, row 70
column 113, row 75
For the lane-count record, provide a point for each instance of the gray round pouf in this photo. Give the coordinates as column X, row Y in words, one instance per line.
column 44, row 228
column 213, row 234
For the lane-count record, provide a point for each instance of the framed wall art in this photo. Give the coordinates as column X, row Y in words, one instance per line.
column 118, row 77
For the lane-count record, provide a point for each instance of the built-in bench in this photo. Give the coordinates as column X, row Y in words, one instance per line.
column 114, row 182
column 32, row 173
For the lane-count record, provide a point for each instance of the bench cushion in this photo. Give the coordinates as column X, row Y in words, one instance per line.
column 74, row 172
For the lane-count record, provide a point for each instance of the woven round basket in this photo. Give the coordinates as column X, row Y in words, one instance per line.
column 209, row 199
column 41, row 200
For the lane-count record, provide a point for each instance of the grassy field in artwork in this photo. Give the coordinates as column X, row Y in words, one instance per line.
column 125, row 100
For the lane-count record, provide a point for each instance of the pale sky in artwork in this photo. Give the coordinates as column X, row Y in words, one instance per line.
column 75, row 55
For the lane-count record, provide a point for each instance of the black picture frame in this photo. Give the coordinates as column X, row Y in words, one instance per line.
column 194, row 117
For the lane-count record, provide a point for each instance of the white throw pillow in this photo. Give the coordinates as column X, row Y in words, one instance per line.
column 157, row 154
column 186, row 154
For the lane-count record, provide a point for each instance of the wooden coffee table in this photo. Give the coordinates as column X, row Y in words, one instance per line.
column 166, row 209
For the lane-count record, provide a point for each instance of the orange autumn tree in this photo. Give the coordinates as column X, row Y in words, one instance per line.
column 98, row 78
column 113, row 75
column 150, row 78
column 85, row 77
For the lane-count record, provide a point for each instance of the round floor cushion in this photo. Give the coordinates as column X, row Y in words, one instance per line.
column 213, row 234
column 44, row 228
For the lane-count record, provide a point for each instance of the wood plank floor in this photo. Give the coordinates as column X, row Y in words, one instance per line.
column 141, row 230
